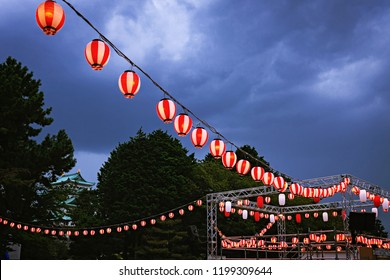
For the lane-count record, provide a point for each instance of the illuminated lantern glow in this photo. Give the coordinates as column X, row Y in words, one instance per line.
column 5, row 222
column 306, row 240
column 294, row 240
column 217, row 148
column 166, row 110
column 228, row 206
column 290, row 196
column 363, row 195
column 68, row 233
column 129, row 83
column 199, row 202
column 50, row 17
column 347, row 180
column 163, row 217
column 307, row 215
column 315, row 215
column 53, row 232
column 289, row 217
column 278, row 183
column 325, row 217
column 307, row 192
column 12, row 224
column 260, row 201
column 92, row 232
column 266, row 216
column 257, row 173
column 190, row 207
column 97, row 54
column 355, row 190
column 343, row 215
column 85, row 232
column 296, row 189
column 126, row 227
column 246, row 202
column 256, row 216
column 108, row 230
column 183, row 124
column 385, row 205
column 61, row 233
column 119, row 229
column 298, row 218
column 229, row 159
column 181, row 211
column 377, row 201
column 239, row 212
column 25, row 228
column 153, row 221
column 101, row 231
column 245, row 214
column 18, row 226
column 32, row 229
column 316, row 199
column 334, row 213
column 76, row 233
column 142, row 223
column 274, row 239
column 267, row 199
column 227, row 214
column 338, row 249
column 312, row 237
column 323, row 237
column 171, row 215
column 199, row 137
column 243, row 166
column 268, row 178
column 282, row 199
column 328, row 247
column 134, row 227
column 375, row 210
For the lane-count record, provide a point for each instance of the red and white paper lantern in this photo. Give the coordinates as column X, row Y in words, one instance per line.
column 50, row 17
column 129, row 83
column 183, row 124
column 257, row 173
column 199, row 137
column 268, row 178
column 166, row 110
column 97, row 54
column 243, row 166
column 217, row 148
column 229, row 159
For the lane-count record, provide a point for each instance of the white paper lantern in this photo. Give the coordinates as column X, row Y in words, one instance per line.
column 325, row 216
column 282, row 199
column 363, row 196
column 245, row 214
column 385, row 205
column 272, row 218
column 375, row 210
column 228, row 206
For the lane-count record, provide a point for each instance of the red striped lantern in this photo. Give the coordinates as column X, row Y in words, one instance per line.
column 260, row 201
column 199, row 202
column 347, row 180
column 50, row 17
column 243, row 167
column 126, row 227
column 97, row 54
column 166, row 110
column 290, row 196
column 268, row 178
column 119, row 229
column 153, row 221
column 163, row 217
column 199, row 137
column 307, row 215
column 295, row 189
column 181, row 212
column 134, row 227
column 142, row 223
column 294, row 240
column 257, row 173
column 267, row 199
column 279, row 183
column 183, row 124
column 229, row 159
column 217, row 148
column 129, row 83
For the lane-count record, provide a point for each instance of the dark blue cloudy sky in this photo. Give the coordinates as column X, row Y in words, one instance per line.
column 304, row 82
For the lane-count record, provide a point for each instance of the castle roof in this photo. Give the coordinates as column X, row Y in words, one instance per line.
column 74, row 178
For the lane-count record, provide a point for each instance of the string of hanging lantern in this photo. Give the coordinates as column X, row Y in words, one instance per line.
column 50, row 17
column 104, row 229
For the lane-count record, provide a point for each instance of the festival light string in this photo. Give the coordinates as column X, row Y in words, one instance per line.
column 185, row 109
column 68, row 230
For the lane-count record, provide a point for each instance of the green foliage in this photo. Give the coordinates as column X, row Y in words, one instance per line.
column 26, row 166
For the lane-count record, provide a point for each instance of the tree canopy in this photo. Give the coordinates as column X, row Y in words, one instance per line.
column 27, row 166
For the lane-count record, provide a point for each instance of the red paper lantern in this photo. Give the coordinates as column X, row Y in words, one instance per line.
column 142, row 223
column 190, row 207
column 181, row 212
column 166, row 110
column 97, row 54
column 227, row 214
column 267, row 199
column 229, row 159
column 307, row 215
column 257, row 173
column 134, row 227
column 199, row 137
column 316, row 199
column 243, row 167
column 298, row 218
column 126, row 227
column 256, row 216
column 217, row 148
column 183, row 124
column 153, row 221
column 50, row 17
column 119, row 229
column 296, row 189
column 260, row 201
column 279, row 183
column 129, row 83
column 377, row 201
column 290, row 196
column 199, row 202
column 268, row 178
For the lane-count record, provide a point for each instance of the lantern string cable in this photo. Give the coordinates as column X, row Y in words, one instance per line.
column 185, row 109
column 102, row 226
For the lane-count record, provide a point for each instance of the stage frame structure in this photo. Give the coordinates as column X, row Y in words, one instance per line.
column 347, row 203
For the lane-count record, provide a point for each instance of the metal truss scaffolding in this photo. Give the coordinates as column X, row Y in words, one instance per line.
column 347, row 203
